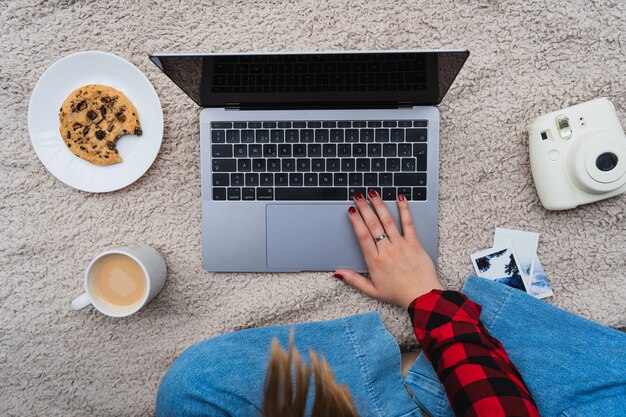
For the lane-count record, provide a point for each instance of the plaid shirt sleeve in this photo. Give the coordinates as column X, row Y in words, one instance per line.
column 478, row 376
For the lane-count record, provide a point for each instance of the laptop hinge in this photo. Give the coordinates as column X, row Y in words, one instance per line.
column 232, row 106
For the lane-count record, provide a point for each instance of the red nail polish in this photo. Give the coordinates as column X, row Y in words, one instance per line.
column 358, row 196
column 352, row 210
column 338, row 276
column 372, row 194
column 401, row 197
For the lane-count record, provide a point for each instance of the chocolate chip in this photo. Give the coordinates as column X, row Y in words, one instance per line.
column 106, row 156
column 81, row 106
column 82, row 148
column 110, row 128
column 110, row 145
column 115, row 150
column 76, row 126
column 69, row 145
column 138, row 131
column 93, row 146
column 106, row 99
column 91, row 115
column 120, row 116
column 103, row 111
column 86, row 130
column 68, row 134
column 100, row 134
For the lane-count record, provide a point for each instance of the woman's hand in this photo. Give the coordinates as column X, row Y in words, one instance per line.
column 399, row 267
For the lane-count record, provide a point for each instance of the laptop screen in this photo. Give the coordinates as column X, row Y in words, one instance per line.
column 314, row 80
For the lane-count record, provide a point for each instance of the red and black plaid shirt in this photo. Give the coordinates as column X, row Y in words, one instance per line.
column 472, row 365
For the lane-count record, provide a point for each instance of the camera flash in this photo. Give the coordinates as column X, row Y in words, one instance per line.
column 563, row 126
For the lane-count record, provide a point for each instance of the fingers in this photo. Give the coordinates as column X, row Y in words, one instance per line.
column 357, row 281
column 369, row 217
column 362, row 233
column 408, row 229
column 384, row 216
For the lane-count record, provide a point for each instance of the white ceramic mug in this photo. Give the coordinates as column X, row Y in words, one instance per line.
column 154, row 269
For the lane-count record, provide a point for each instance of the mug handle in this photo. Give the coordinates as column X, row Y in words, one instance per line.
column 81, row 302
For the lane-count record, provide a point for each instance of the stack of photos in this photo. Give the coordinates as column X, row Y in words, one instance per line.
column 513, row 261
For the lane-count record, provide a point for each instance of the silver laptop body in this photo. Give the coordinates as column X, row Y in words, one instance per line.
column 248, row 226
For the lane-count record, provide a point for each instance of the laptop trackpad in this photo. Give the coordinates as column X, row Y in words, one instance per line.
column 311, row 237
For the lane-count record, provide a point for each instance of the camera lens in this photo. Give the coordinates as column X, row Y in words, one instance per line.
column 607, row 161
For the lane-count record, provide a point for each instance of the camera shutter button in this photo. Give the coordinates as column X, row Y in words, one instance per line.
column 553, row 155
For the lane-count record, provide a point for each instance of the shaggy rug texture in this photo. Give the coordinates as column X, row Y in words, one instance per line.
column 527, row 58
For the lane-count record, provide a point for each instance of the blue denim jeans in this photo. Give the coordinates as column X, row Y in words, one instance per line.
column 572, row 366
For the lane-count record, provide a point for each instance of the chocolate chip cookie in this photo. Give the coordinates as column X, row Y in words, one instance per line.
column 93, row 117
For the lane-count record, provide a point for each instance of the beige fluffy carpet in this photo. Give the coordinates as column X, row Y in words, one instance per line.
column 527, row 58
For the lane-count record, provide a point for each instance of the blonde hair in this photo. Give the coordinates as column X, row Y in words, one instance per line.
column 282, row 399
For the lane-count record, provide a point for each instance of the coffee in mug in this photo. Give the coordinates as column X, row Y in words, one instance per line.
column 121, row 280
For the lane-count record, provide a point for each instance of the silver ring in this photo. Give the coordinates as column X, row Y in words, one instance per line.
column 381, row 237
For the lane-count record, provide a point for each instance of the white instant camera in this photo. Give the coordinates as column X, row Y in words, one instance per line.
column 578, row 155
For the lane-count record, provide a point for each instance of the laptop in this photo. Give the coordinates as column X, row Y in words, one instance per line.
column 287, row 139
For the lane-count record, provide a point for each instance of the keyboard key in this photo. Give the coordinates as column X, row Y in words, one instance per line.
column 321, row 135
column 299, row 150
column 292, row 136
column 405, row 123
column 318, row 165
column 374, row 124
column 329, row 124
column 269, row 151
column 377, row 189
column 419, row 151
column 336, row 135
column 416, row 135
column 374, row 149
column 289, row 165
column 265, row 193
column 408, row 164
column 420, row 123
column 340, row 179
column 247, row 194
column 234, row 194
column 252, row 180
column 348, row 164
column 370, row 179
column 284, row 125
column 314, row 124
column 220, row 180
column 329, row 150
column 219, row 193
column 240, row 151
column 221, row 125
column 385, row 179
column 307, row 136
column 382, row 135
column 390, row 149
column 277, row 136
column 310, row 179
column 237, row 180
column 389, row 193
column 218, row 136
column 344, row 150
column 378, row 164
column 313, row 193
column 240, row 125
column 353, row 190
column 344, row 124
column 393, row 164
column 367, row 135
column 269, row 125
column 397, row 135
column 359, row 149
column 299, row 125
column 352, row 135
column 419, row 194
column 326, row 179
column 355, row 179
column 362, row 164
column 314, row 150
column 358, row 124
column 244, row 165
column 281, row 179
column 303, row 165
column 262, row 136
column 255, row 151
column 232, row 136
column 333, row 164
column 405, row 149
column 247, row 136
column 408, row 180
column 284, row 151
column 224, row 165
column 222, row 151
column 296, row 180
column 390, row 123
column 266, row 180
column 273, row 165
column 254, row 125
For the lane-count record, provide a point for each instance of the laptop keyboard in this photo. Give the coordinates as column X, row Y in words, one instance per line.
column 318, row 160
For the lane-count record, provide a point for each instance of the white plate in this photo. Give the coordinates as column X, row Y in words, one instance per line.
column 76, row 70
